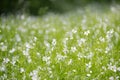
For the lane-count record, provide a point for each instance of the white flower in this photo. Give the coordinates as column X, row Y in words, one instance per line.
column 65, row 50
column 111, row 78
column 73, row 49
column 3, row 47
column 18, row 38
column 113, row 68
column 60, row 57
column 46, row 59
column 35, row 39
column 2, row 68
column 34, row 75
column 88, row 65
column 27, row 45
column 80, row 55
column 102, row 39
column 54, row 42
column 118, row 68
column 12, row 50
column 74, row 31
column 88, row 75
column 109, row 34
column 81, row 41
column 6, row 60
column 26, row 52
column 22, row 70
column 87, row 32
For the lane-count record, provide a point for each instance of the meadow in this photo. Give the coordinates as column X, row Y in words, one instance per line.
column 83, row 44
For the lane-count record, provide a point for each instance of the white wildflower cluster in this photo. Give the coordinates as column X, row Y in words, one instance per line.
column 88, row 66
column 109, row 35
column 86, row 33
column 34, row 75
column 22, row 70
column 114, row 78
column 54, row 42
column 102, row 39
column 65, row 49
column 46, row 59
column 74, row 31
column 26, row 52
column 14, row 60
column 81, row 41
column 113, row 68
column 3, row 47
column 17, row 37
column 73, row 49
column 60, row 57
column 12, row 50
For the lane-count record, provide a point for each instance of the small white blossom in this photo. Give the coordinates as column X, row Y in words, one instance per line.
column 87, row 32
column 74, row 31
column 6, row 60
column 54, row 42
column 111, row 78
column 81, row 41
column 12, row 50
column 73, row 49
column 22, row 70
column 60, row 57
column 102, row 39
column 88, row 75
column 34, row 75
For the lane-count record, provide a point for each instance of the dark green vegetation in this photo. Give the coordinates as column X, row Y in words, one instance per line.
column 40, row 7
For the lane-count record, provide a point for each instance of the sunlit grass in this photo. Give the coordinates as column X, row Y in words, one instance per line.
column 79, row 45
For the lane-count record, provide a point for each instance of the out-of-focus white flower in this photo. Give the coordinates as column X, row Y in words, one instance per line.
column 27, row 45
column 14, row 60
column 47, row 44
column 34, row 75
column 26, row 52
column 12, row 50
column 81, row 41
column 111, row 78
column 87, row 32
column 73, row 49
column 54, row 42
column 118, row 68
column 6, row 60
column 3, row 48
column 112, row 67
column 102, row 39
column 109, row 35
column 29, row 59
column 46, row 59
column 60, row 57
column 65, row 50
column 2, row 68
column 18, row 38
column 88, row 65
column 88, row 75
column 35, row 39
column 22, row 70
column 74, row 31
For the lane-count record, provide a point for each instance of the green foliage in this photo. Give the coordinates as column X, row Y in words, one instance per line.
column 80, row 45
column 39, row 7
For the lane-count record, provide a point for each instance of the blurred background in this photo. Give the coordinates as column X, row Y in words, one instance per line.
column 41, row 7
